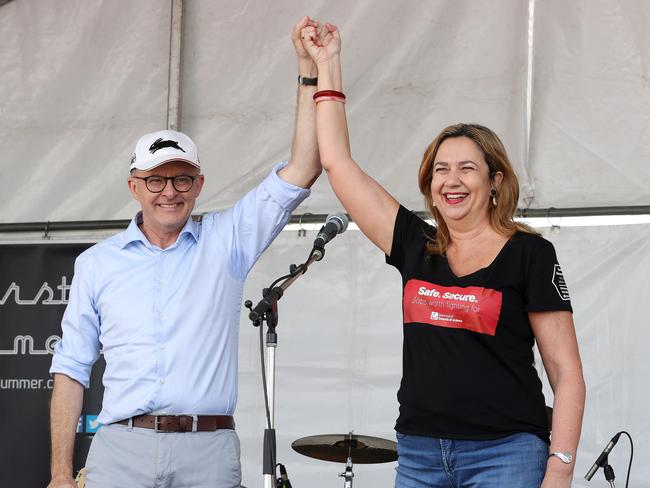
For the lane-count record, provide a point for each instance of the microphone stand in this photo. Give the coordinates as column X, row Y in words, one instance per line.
column 603, row 462
column 267, row 311
column 609, row 472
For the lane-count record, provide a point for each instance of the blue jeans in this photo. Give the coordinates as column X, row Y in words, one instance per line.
column 516, row 461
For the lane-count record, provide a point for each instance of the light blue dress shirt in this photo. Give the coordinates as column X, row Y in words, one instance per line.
column 167, row 320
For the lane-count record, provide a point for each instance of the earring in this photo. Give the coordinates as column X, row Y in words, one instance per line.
column 493, row 194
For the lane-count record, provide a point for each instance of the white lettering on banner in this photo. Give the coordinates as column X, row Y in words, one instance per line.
column 26, row 384
column 24, row 344
column 460, row 297
column 446, row 318
column 424, row 291
column 428, row 293
column 45, row 294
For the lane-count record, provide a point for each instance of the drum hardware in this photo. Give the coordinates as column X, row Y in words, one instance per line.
column 348, row 449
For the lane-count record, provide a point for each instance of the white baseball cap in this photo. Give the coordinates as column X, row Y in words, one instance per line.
column 161, row 147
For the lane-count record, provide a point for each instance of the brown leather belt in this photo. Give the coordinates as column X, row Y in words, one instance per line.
column 181, row 423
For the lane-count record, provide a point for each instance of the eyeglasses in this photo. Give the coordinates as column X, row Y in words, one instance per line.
column 156, row 184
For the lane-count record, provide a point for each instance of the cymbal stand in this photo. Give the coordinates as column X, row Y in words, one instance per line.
column 348, row 474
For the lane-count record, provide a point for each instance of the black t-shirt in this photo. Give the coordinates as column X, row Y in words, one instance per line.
column 468, row 369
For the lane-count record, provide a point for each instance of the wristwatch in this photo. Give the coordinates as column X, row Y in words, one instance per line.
column 304, row 80
column 565, row 457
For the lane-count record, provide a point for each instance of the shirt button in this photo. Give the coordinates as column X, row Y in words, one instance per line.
column 162, row 380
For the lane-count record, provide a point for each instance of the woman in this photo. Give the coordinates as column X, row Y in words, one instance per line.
column 479, row 290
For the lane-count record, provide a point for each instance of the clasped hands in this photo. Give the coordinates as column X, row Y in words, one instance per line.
column 320, row 42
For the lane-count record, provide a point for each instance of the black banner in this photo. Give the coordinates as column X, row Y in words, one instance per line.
column 34, row 286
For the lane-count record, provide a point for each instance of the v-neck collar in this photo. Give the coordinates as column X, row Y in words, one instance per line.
column 481, row 273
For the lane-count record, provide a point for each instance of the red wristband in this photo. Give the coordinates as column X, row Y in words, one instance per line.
column 326, row 98
column 329, row 93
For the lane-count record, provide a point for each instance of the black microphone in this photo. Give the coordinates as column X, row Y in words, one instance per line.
column 334, row 225
column 602, row 458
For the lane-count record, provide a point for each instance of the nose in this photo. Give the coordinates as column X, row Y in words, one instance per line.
column 453, row 176
column 169, row 191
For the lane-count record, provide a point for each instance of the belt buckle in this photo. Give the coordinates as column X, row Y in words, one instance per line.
column 156, row 424
column 195, row 423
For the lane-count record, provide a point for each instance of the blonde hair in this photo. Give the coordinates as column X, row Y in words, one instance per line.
column 501, row 215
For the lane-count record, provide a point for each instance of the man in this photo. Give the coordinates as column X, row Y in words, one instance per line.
column 162, row 299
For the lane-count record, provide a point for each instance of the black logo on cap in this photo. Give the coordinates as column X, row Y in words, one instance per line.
column 160, row 143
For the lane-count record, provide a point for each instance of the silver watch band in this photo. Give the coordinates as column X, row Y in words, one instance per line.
column 565, row 457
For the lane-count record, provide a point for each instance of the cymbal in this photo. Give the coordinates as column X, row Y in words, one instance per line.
column 362, row 449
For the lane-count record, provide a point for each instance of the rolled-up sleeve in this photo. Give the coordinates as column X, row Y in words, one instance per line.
column 287, row 195
column 77, row 351
column 258, row 218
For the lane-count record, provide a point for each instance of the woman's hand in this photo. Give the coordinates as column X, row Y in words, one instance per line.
column 555, row 479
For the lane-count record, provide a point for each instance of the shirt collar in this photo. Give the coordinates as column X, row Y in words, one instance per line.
column 134, row 234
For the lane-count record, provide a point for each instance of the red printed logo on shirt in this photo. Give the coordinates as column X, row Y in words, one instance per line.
column 471, row 308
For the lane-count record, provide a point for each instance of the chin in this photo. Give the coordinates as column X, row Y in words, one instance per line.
column 171, row 223
column 455, row 216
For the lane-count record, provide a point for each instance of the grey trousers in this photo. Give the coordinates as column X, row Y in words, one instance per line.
column 131, row 457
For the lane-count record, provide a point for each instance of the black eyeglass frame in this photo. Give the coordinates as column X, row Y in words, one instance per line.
column 166, row 178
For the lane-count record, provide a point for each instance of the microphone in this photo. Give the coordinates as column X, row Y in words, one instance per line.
column 602, row 458
column 335, row 224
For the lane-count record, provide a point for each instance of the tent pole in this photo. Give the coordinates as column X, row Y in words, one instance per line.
column 175, row 61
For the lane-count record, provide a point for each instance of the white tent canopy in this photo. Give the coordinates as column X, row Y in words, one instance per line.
column 81, row 81
column 565, row 84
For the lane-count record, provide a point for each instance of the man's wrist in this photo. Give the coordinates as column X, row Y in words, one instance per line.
column 307, row 80
column 62, row 477
column 61, row 469
column 307, row 68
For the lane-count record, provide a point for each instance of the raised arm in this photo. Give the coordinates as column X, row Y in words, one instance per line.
column 369, row 204
column 304, row 165
column 65, row 409
column 556, row 340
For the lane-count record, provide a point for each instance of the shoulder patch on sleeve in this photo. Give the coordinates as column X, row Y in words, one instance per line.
column 559, row 283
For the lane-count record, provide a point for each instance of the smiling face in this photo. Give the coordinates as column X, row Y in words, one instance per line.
column 164, row 214
column 461, row 182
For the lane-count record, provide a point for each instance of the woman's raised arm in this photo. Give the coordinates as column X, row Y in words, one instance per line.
column 368, row 203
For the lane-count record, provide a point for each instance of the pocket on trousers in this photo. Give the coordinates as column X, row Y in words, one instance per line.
column 228, row 451
column 93, row 448
column 235, row 446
